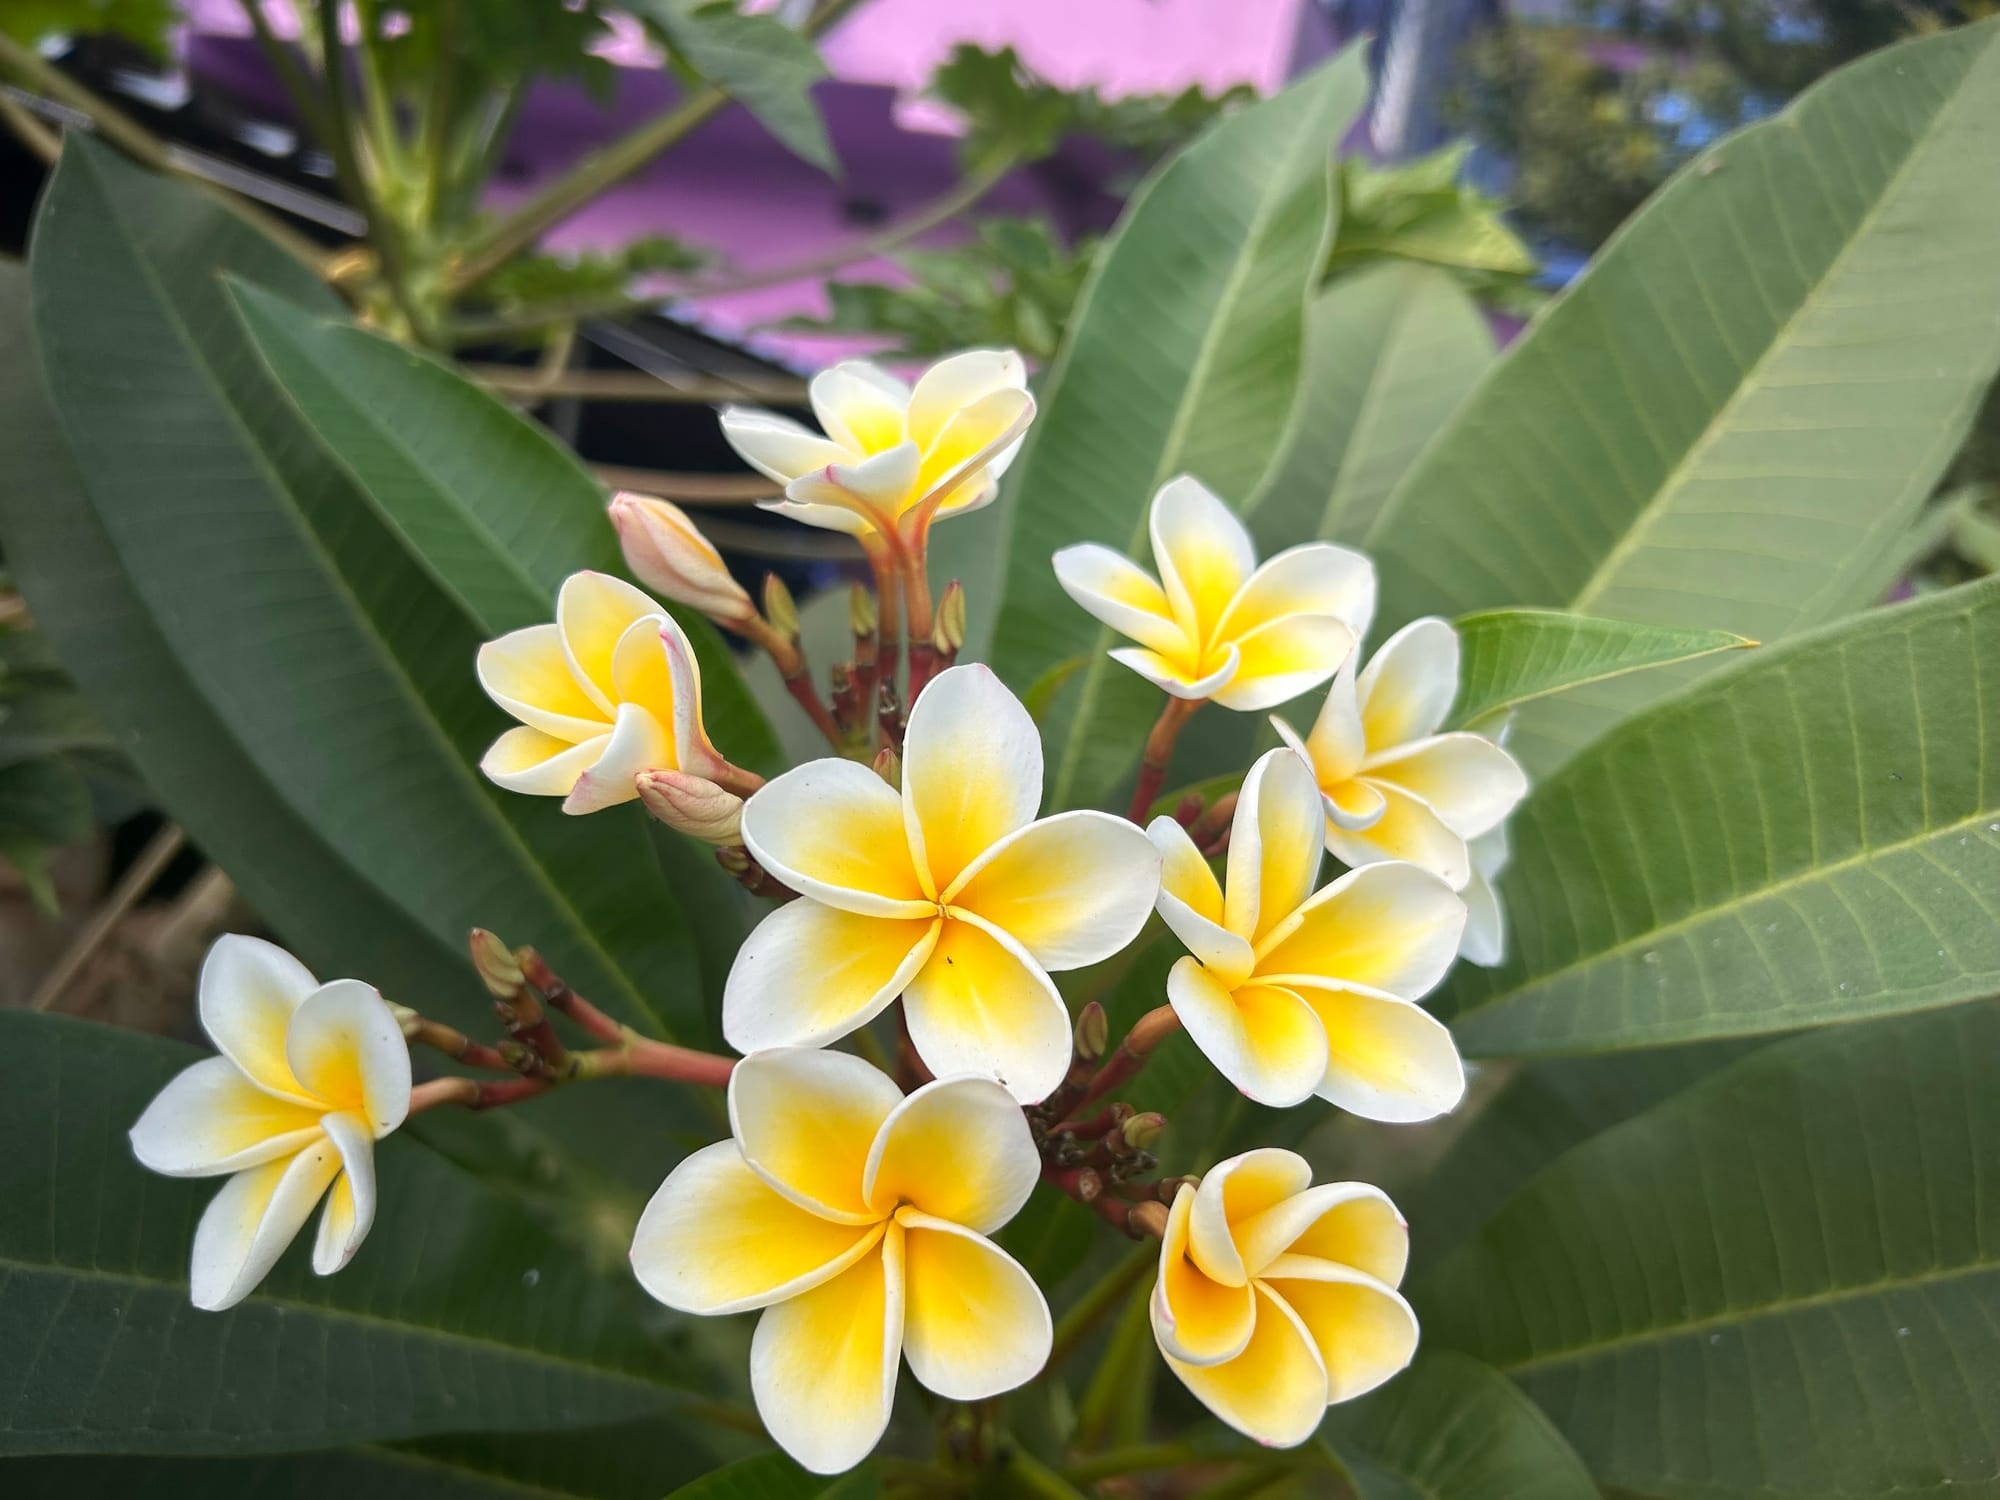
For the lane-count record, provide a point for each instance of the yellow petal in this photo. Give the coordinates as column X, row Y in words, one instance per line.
column 540, row 765
column 976, row 443
column 1387, row 927
column 1203, row 553
column 1265, row 1041
column 958, row 1149
column 1195, row 1318
column 643, row 673
column 974, row 1322
column 1316, row 578
column 1338, row 741
column 1347, row 804
column 637, row 742
column 957, row 382
column 1173, row 675
column 876, row 489
column 247, row 993
column 981, row 1005
column 1119, row 593
column 347, row 1050
column 247, row 1225
column 1232, row 1192
column 810, row 973
column 1191, row 904
column 823, row 1365
column 350, row 1205
column 1466, row 779
column 1362, row 1331
column 211, row 1119
column 1388, row 1058
column 593, row 612
column 1408, row 686
column 834, row 830
column 1275, row 842
column 716, row 1238
column 527, row 673
column 1072, row 889
column 1275, row 1390
column 972, row 770
column 806, row 1121
column 1408, row 829
column 1349, row 1223
column 1283, row 659
column 777, row 447
column 860, row 405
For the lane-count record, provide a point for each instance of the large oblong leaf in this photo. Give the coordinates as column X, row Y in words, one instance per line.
column 459, row 1314
column 1182, row 357
column 1513, row 656
column 1730, row 417
column 1813, row 836
column 1778, row 1284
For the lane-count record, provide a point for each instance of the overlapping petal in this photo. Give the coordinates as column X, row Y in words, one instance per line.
column 835, row 831
column 1121, row 594
column 346, row 1049
column 527, row 672
column 958, row 1149
column 1278, row 661
column 1264, row 1040
column 1408, row 686
column 1072, row 889
column 211, row 1119
column 972, row 770
column 246, row 995
column 810, row 973
column 974, row 1322
column 1485, row 939
column 1170, row 675
column 1347, row 1222
column 1275, row 842
column 777, row 447
column 981, row 1004
column 1275, row 1390
column 1391, row 927
column 806, row 1122
column 1466, row 779
column 1233, row 1191
column 1196, row 1318
column 860, row 405
column 1387, row 1058
column 350, row 1204
column 248, row 1224
column 1363, row 1332
column 1191, row 904
column 1203, row 551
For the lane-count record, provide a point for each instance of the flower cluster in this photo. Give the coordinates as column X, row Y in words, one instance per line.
column 912, row 864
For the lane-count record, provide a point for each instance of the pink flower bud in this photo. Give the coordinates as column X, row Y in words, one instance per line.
column 692, row 805
column 667, row 554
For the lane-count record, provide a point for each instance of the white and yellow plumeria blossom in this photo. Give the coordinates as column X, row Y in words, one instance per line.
column 949, row 893
column 310, row 1077
column 892, row 453
column 1215, row 624
column 1292, row 992
column 607, row 691
column 1394, row 787
column 857, row 1218
column 1277, row 1299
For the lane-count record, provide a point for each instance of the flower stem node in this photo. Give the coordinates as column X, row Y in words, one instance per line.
column 670, row 556
column 692, row 805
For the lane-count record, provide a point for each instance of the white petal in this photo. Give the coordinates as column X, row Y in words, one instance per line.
column 806, row 1122
column 637, row 742
column 346, row 1049
column 1264, row 1040
column 835, row 831
column 1234, row 1191
column 1358, row 804
column 823, row 1365
column 540, row 765
column 877, row 489
column 826, row 517
column 1407, row 688
column 982, row 1005
column 1388, row 927
column 1347, row 1222
column 777, row 447
column 1277, row 662
column 809, row 973
column 247, row 1225
column 860, row 405
column 976, row 444
column 1196, row 1319
column 974, row 1323
column 247, row 993
column 1363, row 1331
column 954, row 383
column 1276, row 839
column 1072, row 889
column 1191, row 904
column 1117, row 591
column 1165, row 674
column 350, row 1207
column 593, row 613
column 1203, row 553
column 717, row 1239
column 1388, row 1058
column 1466, row 779
column 1275, row 1390
column 957, row 1148
column 210, row 1119
column 1316, row 578
column 972, row 770
column 1408, row 829
column 1485, row 939
column 1338, row 741
column 527, row 673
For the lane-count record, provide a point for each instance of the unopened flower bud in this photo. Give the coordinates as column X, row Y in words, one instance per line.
column 497, row 966
column 1093, row 1032
column 780, row 608
column 692, row 805
column 889, row 766
column 861, row 615
column 1141, row 1131
column 948, row 629
column 673, row 559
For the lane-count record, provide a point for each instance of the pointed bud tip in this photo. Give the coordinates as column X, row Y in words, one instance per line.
column 495, row 961
column 1141, row 1131
column 1093, row 1032
column 889, row 766
column 948, row 631
column 780, row 608
column 861, row 614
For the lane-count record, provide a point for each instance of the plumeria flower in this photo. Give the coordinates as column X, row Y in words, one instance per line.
column 857, row 1219
column 609, row 690
column 948, row 893
column 1215, row 624
column 1394, row 787
column 310, row 1077
column 1277, row 1299
column 1292, row 992
column 1485, row 940
column 893, row 455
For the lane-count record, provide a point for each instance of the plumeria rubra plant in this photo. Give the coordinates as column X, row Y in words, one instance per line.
column 1293, row 950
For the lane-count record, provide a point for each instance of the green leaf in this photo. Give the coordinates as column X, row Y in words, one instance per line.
column 757, row 60
column 1512, row 656
column 1390, row 353
column 1728, row 420
column 1811, row 837
column 1182, row 357
column 459, row 1313
column 496, row 509
column 1777, row 1284
column 44, row 800
column 1450, row 1426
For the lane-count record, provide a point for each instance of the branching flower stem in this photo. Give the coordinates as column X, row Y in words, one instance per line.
column 1159, row 753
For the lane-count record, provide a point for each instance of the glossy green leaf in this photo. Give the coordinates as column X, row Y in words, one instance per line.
column 1453, row 1428
column 458, row 1314
column 1391, row 351
column 754, row 58
column 1182, row 357
column 1811, row 837
column 1730, row 418
column 1512, row 656
column 1777, row 1284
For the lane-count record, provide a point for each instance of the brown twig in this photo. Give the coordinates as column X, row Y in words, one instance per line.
column 1159, row 753
column 554, row 989
column 476, row 1093
column 147, row 868
column 451, row 1042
